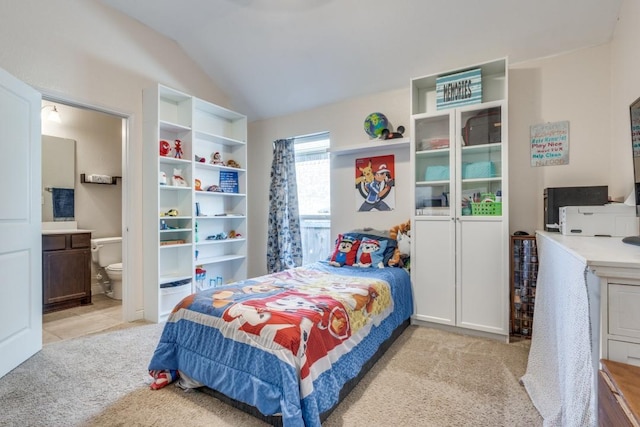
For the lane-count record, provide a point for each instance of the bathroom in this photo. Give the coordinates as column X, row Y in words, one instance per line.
column 93, row 142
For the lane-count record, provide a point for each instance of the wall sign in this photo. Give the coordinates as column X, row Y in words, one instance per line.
column 458, row 89
column 550, row 144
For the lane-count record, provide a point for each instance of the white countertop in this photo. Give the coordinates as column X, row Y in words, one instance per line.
column 66, row 231
column 599, row 251
column 62, row 227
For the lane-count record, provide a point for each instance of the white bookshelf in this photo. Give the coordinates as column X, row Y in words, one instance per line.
column 174, row 237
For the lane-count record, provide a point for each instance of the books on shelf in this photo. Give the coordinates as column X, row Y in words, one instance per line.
column 229, row 181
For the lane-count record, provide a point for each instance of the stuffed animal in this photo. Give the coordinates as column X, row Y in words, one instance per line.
column 402, row 255
column 216, row 159
column 345, row 252
column 177, row 180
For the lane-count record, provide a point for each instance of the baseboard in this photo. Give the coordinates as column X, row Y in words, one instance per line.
column 458, row 330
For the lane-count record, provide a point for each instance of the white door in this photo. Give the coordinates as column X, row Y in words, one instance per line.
column 20, row 228
column 433, row 270
column 483, row 277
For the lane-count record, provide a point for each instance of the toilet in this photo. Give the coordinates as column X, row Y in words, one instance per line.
column 106, row 253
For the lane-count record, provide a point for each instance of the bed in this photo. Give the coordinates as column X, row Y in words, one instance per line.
column 286, row 347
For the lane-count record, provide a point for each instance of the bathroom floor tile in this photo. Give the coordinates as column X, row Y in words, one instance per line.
column 48, row 337
column 104, row 313
column 82, row 324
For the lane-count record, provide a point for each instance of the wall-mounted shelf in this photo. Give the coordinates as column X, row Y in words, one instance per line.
column 373, row 145
column 114, row 180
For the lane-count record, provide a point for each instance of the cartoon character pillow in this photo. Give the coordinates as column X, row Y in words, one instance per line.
column 345, row 251
column 371, row 253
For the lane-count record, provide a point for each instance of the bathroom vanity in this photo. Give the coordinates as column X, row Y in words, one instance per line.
column 66, row 269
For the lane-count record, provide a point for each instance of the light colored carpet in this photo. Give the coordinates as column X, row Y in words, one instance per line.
column 427, row 378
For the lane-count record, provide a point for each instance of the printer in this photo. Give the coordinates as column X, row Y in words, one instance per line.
column 616, row 219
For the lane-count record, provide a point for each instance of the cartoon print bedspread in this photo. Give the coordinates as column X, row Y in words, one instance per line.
column 287, row 342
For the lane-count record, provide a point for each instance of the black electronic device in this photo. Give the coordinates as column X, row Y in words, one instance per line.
column 557, row 197
column 634, row 114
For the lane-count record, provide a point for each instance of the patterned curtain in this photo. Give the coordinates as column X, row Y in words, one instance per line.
column 284, row 243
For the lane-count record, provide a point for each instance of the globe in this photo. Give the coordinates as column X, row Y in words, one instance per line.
column 375, row 123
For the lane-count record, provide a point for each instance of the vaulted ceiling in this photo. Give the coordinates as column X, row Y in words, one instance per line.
column 275, row 57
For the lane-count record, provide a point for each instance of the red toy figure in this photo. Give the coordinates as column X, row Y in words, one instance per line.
column 178, row 149
column 165, row 148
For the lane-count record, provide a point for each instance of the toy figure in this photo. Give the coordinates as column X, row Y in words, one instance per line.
column 387, row 134
column 177, row 180
column 216, row 159
column 178, row 149
column 165, row 148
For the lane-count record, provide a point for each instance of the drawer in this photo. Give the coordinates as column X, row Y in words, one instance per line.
column 624, row 352
column 624, row 316
column 54, row 242
column 80, row 240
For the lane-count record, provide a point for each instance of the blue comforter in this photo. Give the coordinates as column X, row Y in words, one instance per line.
column 286, row 343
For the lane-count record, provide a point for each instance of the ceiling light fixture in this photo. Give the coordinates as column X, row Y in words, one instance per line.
column 53, row 115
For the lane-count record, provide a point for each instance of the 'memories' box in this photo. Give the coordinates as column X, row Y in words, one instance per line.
column 615, row 219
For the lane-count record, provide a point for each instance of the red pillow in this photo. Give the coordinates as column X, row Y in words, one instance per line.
column 345, row 250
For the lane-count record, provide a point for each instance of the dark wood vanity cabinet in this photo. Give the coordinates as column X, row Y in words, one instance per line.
column 66, row 270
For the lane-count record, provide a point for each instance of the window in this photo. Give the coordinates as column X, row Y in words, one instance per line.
column 313, row 178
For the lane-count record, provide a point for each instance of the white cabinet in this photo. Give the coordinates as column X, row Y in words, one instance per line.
column 460, row 254
column 622, row 321
column 189, row 224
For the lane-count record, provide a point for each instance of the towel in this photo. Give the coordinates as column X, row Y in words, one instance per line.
column 100, row 179
column 560, row 374
column 63, row 203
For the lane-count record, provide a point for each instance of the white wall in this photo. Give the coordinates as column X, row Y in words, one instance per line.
column 591, row 88
column 625, row 88
column 85, row 52
column 345, row 123
column 82, row 51
column 546, row 90
column 573, row 87
column 98, row 150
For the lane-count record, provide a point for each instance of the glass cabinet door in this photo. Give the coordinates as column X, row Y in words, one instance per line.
column 434, row 166
column 480, row 165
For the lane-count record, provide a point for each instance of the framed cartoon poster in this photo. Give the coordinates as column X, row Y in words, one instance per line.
column 375, row 183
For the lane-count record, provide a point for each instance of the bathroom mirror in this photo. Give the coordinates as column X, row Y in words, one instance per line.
column 58, row 178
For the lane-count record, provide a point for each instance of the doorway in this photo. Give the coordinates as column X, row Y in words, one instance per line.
column 101, row 138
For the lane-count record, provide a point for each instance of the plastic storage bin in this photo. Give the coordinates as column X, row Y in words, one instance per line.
column 169, row 297
column 486, row 208
column 436, row 173
column 478, row 170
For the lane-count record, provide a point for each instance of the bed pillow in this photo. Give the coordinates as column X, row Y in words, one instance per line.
column 371, row 253
column 370, row 233
column 345, row 250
